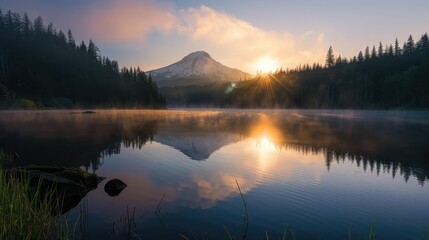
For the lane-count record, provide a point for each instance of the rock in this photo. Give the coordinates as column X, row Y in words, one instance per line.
column 114, row 187
column 88, row 112
column 70, row 184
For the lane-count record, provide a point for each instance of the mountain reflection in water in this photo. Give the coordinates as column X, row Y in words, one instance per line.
column 380, row 141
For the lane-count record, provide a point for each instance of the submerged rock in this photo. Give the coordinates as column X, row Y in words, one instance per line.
column 114, row 187
column 70, row 184
column 88, row 112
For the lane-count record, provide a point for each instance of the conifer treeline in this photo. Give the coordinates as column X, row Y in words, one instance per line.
column 384, row 77
column 42, row 66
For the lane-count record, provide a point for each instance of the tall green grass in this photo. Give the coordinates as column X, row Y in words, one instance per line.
column 26, row 212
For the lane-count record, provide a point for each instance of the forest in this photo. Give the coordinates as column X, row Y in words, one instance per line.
column 41, row 66
column 383, row 77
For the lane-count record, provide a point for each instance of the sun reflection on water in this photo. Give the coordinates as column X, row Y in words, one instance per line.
column 265, row 144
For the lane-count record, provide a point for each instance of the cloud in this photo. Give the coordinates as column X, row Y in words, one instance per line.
column 130, row 20
column 230, row 40
column 245, row 45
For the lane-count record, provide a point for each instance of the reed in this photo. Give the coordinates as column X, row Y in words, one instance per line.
column 371, row 231
column 26, row 210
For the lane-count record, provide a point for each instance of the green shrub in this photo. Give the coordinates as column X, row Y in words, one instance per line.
column 23, row 103
column 60, row 102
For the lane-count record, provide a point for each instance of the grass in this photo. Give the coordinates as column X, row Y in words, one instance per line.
column 26, row 212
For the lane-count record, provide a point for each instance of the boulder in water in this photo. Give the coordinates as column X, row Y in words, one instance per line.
column 114, row 187
column 70, row 184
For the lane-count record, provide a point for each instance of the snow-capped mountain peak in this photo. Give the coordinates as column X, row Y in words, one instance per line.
column 197, row 68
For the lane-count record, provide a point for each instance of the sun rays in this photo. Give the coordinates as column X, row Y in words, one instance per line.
column 267, row 65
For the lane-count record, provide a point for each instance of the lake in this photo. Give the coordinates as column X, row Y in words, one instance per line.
column 321, row 174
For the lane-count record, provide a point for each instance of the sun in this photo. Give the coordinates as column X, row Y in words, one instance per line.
column 267, row 65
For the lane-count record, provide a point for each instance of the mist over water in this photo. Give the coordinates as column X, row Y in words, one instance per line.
column 321, row 172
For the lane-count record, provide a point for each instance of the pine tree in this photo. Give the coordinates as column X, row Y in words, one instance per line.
column 27, row 26
column 360, row 56
column 339, row 60
column 38, row 25
column 367, row 53
column 390, row 50
column 82, row 47
column 423, row 43
column 380, row 50
column 62, row 36
column 51, row 29
column 70, row 39
column 330, row 58
column 397, row 48
column 409, row 45
column 93, row 50
column 373, row 53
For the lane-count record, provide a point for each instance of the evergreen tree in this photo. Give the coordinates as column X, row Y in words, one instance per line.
column 397, row 48
column 373, row 53
column 27, row 25
column 339, row 60
column 93, row 50
column 423, row 43
column 409, row 45
column 390, row 50
column 367, row 56
column 360, row 56
column 330, row 59
column 70, row 39
column 62, row 37
column 83, row 48
column 38, row 25
column 380, row 50
column 50, row 30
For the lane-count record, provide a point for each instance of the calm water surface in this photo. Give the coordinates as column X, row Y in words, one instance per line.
column 323, row 173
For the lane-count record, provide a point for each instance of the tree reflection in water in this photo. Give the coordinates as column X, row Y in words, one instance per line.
column 376, row 141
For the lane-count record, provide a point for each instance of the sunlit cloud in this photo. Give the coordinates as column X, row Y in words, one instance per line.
column 230, row 40
column 243, row 45
column 130, row 20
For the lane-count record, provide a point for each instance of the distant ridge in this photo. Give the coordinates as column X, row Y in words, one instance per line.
column 197, row 68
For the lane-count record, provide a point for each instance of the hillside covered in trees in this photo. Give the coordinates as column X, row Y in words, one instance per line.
column 43, row 67
column 382, row 77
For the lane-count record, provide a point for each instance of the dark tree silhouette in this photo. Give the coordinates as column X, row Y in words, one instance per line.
column 409, row 45
column 70, row 39
column 330, row 61
column 367, row 55
column 41, row 66
column 373, row 53
column 380, row 50
column 397, row 48
column 360, row 57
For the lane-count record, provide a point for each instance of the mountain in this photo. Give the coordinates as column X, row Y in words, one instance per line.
column 197, row 68
column 197, row 146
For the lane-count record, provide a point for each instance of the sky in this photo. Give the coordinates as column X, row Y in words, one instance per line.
column 240, row 34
